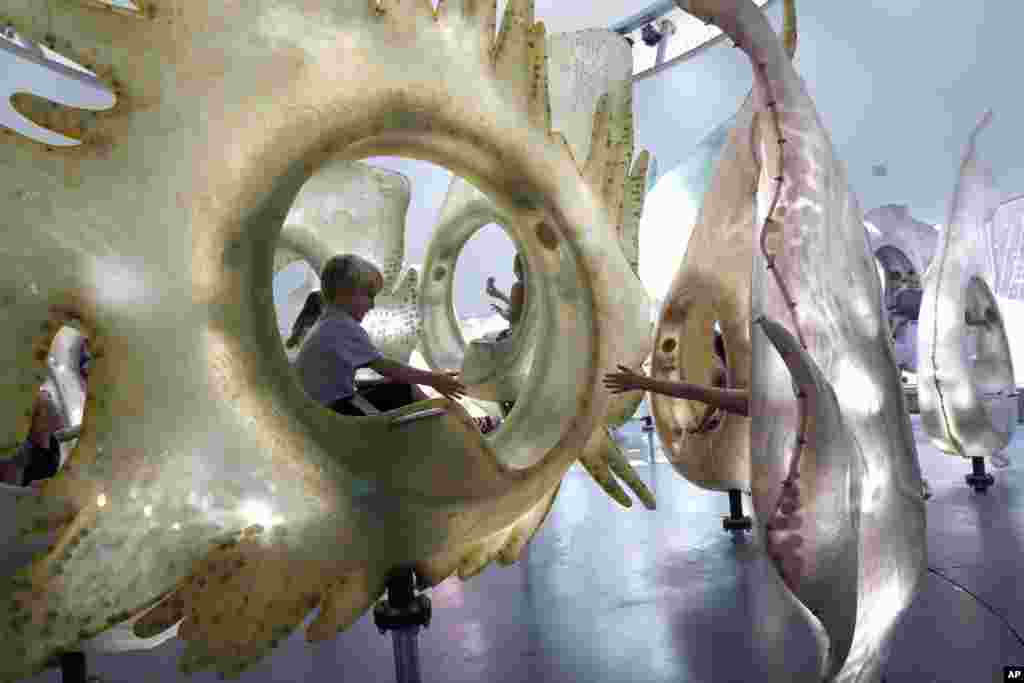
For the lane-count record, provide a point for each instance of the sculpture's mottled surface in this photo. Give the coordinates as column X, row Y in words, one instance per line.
column 591, row 102
column 965, row 373
column 166, row 221
column 822, row 289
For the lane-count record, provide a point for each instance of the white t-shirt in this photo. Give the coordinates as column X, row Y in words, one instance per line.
column 336, row 347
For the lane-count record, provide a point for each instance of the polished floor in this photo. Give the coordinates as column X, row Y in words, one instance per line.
column 608, row 594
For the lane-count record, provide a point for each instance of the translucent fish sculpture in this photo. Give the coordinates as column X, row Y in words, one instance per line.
column 670, row 212
column 834, row 472
column 591, row 104
column 351, row 207
column 206, row 489
column 903, row 248
column 712, row 285
column 899, row 240
column 965, row 375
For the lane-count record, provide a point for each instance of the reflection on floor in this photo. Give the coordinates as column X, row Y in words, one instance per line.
column 607, row 594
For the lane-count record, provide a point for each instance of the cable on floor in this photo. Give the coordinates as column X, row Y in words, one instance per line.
column 986, row 605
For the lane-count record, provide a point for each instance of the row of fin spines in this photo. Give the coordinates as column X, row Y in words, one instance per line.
column 607, row 172
column 632, row 210
column 341, row 600
column 505, row 547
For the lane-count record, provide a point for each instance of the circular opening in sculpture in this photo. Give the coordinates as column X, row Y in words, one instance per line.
column 364, row 208
column 897, row 272
column 57, row 408
column 668, row 345
column 709, row 418
column 488, row 285
column 375, row 209
column 68, row 366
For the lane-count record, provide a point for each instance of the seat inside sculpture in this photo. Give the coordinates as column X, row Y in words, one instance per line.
column 901, row 291
column 986, row 340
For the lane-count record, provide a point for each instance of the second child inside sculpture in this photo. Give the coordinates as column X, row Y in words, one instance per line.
column 736, row 401
column 516, row 298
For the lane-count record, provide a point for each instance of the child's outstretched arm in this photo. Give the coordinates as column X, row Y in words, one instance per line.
column 730, row 400
column 444, row 382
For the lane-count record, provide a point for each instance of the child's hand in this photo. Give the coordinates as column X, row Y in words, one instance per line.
column 492, row 290
column 624, row 380
column 448, row 386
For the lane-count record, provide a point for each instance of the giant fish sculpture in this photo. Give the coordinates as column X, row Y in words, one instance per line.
column 904, row 248
column 833, row 469
column 590, row 73
column 712, row 285
column 965, row 375
column 165, row 221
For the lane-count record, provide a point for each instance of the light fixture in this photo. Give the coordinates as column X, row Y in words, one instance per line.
column 650, row 35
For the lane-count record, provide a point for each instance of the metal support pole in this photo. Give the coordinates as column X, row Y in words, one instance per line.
column 407, row 654
column 72, row 667
column 735, row 503
column 736, row 521
column 648, row 429
column 403, row 612
column 979, row 478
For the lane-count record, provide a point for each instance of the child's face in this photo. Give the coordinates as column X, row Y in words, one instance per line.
column 360, row 302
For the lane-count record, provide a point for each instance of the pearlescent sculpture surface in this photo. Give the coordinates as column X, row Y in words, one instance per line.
column 965, row 373
column 712, row 285
column 671, row 208
column 205, row 482
column 904, row 248
column 351, row 207
column 1008, row 249
column 898, row 231
column 834, row 472
column 591, row 103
